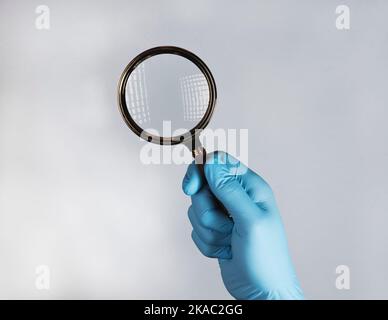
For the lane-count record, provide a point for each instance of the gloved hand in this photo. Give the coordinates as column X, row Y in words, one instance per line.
column 235, row 219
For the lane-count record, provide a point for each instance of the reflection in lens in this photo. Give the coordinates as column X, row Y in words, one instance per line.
column 167, row 88
column 136, row 95
column 195, row 94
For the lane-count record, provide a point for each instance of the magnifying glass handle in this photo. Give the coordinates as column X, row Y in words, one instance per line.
column 199, row 155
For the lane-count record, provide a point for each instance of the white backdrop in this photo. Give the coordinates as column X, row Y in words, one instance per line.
column 74, row 195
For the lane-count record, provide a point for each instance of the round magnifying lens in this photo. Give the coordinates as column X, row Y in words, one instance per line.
column 167, row 96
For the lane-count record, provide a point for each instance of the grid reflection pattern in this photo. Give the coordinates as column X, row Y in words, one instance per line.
column 195, row 95
column 136, row 93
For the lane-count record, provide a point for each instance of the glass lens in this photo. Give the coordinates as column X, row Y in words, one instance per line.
column 167, row 95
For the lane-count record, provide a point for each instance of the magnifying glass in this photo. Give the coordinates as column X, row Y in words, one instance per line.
column 165, row 90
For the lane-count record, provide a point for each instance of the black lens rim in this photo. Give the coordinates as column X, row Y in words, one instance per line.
column 189, row 135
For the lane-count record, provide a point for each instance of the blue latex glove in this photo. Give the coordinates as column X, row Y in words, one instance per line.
column 235, row 219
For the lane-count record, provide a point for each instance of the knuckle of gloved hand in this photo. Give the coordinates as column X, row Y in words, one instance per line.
column 223, row 182
column 210, row 238
column 264, row 186
column 190, row 213
column 259, row 225
column 186, row 178
column 207, row 218
column 267, row 190
column 263, row 196
column 208, row 252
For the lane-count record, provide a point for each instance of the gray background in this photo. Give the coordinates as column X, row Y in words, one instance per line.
column 75, row 196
